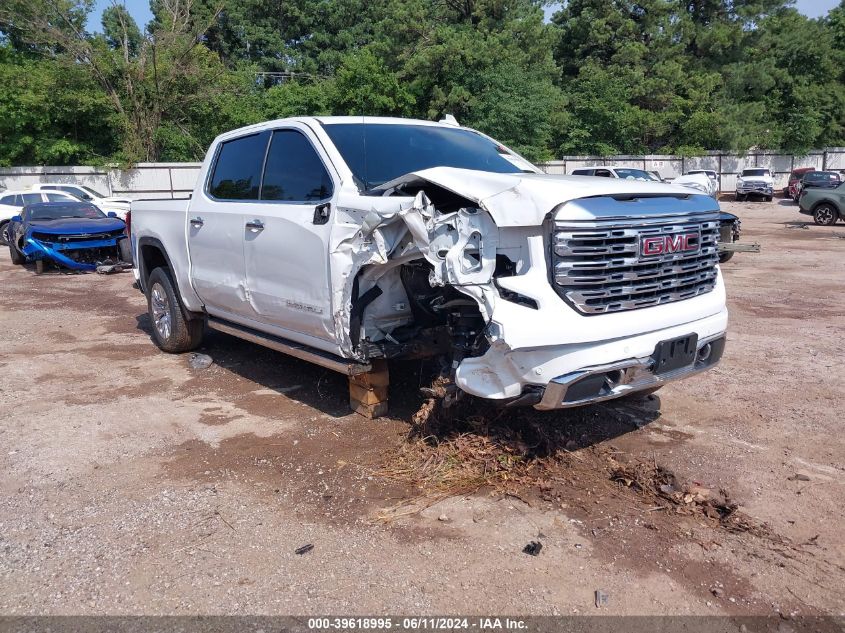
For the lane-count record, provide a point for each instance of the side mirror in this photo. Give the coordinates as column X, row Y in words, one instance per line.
column 111, row 214
column 17, row 218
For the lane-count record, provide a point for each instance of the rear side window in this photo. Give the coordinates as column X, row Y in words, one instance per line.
column 294, row 170
column 604, row 173
column 55, row 197
column 10, row 200
column 31, row 198
column 582, row 172
column 237, row 172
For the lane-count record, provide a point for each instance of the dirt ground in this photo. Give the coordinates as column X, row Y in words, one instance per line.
column 131, row 483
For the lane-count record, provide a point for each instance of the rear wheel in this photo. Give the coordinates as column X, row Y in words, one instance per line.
column 825, row 214
column 739, row 198
column 172, row 332
column 4, row 233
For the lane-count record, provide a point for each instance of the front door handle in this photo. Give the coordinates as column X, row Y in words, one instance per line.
column 255, row 225
column 197, row 222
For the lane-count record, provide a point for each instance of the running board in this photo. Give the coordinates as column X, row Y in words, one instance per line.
column 298, row 350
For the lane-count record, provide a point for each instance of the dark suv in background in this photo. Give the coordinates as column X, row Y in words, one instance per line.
column 791, row 189
column 818, row 180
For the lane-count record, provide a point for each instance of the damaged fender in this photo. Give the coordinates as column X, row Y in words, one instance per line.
column 460, row 246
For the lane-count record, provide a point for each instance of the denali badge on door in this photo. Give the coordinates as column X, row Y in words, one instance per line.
column 674, row 353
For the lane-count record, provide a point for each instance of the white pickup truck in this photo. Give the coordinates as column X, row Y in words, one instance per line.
column 347, row 241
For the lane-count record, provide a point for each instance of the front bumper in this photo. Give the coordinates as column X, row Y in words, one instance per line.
column 760, row 189
column 561, row 376
column 55, row 251
column 605, row 382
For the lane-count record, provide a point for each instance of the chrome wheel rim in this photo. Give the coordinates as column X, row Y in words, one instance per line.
column 160, row 306
column 824, row 215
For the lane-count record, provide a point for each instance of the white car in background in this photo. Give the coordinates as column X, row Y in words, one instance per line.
column 615, row 171
column 118, row 204
column 698, row 180
column 755, row 181
column 12, row 202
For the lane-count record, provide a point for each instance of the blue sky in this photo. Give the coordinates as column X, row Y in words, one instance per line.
column 140, row 10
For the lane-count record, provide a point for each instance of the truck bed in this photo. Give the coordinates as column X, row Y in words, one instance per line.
column 162, row 224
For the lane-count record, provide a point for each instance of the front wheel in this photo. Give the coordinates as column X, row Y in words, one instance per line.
column 124, row 248
column 16, row 256
column 5, row 238
column 725, row 257
column 768, row 198
column 825, row 215
column 172, row 332
column 739, row 197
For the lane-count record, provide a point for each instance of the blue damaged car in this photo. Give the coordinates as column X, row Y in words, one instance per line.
column 73, row 235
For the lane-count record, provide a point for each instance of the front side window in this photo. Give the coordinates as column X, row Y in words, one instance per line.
column 31, row 198
column 56, row 197
column 294, row 171
column 237, row 172
column 604, row 173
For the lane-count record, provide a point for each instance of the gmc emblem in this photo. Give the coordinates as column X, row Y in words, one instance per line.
column 666, row 244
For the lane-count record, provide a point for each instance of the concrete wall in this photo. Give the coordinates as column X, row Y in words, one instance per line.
column 145, row 180
column 176, row 180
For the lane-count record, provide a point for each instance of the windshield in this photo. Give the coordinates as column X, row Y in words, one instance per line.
column 634, row 174
column 94, row 193
column 755, row 172
column 61, row 210
column 379, row 152
column 823, row 176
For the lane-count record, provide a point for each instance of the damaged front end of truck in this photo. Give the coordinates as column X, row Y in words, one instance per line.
column 534, row 290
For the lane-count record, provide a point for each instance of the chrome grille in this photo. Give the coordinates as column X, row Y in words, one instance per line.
column 599, row 267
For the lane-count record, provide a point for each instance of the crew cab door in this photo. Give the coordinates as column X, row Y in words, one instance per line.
column 216, row 227
column 286, row 248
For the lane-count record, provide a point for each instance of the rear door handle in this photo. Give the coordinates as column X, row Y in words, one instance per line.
column 197, row 222
column 255, row 225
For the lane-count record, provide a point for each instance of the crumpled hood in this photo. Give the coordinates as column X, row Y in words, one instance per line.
column 67, row 226
column 526, row 199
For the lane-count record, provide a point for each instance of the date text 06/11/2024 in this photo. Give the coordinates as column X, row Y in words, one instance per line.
column 416, row 623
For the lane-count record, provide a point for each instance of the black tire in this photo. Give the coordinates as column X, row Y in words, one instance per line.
column 39, row 266
column 4, row 239
column 172, row 331
column 825, row 214
column 124, row 248
column 739, row 198
column 768, row 198
column 725, row 257
column 16, row 256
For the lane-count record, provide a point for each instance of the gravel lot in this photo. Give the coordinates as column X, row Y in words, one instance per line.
column 133, row 484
